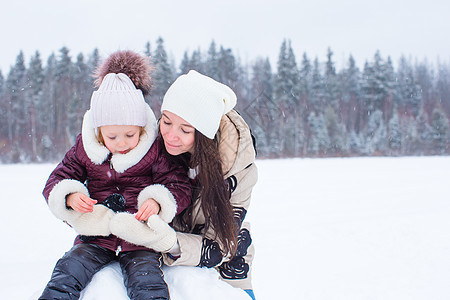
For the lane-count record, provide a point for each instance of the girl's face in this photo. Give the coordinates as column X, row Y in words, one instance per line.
column 120, row 138
column 178, row 135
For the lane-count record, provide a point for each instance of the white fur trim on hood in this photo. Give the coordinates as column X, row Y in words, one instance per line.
column 98, row 153
column 164, row 198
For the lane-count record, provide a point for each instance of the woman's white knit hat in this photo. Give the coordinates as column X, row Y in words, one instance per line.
column 199, row 100
column 118, row 102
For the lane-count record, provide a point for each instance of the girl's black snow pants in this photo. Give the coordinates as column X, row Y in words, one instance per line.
column 141, row 270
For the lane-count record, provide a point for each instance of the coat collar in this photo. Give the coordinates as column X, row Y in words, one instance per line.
column 98, row 153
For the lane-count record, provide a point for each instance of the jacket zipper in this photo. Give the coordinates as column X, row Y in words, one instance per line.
column 113, row 173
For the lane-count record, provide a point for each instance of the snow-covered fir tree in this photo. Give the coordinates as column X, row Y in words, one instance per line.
column 440, row 130
column 3, row 120
column 409, row 92
column 310, row 110
column 376, row 141
column 395, row 134
column 35, row 73
column 212, row 61
column 63, row 90
column 331, row 91
column 350, row 104
column 316, row 100
column 16, row 84
column 185, row 64
column 319, row 141
column 162, row 75
column 337, row 134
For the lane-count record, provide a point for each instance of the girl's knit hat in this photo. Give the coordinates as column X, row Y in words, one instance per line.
column 199, row 100
column 118, row 102
column 123, row 80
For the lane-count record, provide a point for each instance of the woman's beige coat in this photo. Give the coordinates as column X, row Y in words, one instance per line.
column 238, row 156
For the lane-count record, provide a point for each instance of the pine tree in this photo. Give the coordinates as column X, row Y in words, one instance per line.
column 232, row 75
column 16, row 84
column 330, row 83
column 336, row 132
column 410, row 143
column 162, row 76
column 93, row 61
column 185, row 64
column 82, row 91
column 3, row 119
column 395, row 134
column 351, row 107
column 48, row 105
column 440, row 127
column 261, row 112
column 409, row 91
column 212, row 62
column 295, row 129
column 305, row 82
column 390, row 83
column 287, row 96
column 305, row 94
column 148, row 49
column 443, row 87
column 63, row 99
column 425, row 132
column 36, row 81
column 425, row 79
column 228, row 69
column 196, row 61
column 355, row 143
column 318, row 142
column 317, row 94
column 375, row 89
column 375, row 134
column 282, row 87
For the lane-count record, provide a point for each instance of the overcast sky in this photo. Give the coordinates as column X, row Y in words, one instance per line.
column 251, row 28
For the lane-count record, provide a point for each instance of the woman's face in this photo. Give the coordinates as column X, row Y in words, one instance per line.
column 178, row 135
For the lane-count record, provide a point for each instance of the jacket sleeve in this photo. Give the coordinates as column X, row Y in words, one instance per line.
column 193, row 247
column 174, row 177
column 241, row 186
column 68, row 177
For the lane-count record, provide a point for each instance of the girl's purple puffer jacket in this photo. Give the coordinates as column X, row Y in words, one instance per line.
column 106, row 176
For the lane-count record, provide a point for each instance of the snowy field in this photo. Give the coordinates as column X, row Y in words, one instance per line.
column 357, row 228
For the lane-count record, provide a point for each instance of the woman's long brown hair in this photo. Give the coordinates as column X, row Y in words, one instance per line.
column 214, row 194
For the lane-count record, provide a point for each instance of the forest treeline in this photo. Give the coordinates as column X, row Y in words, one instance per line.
column 302, row 107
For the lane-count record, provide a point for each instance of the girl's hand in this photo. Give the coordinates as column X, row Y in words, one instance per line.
column 148, row 208
column 80, row 202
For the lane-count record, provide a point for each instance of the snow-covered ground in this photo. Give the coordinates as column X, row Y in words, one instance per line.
column 349, row 228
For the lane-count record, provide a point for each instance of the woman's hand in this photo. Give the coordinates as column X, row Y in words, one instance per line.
column 148, row 208
column 80, row 202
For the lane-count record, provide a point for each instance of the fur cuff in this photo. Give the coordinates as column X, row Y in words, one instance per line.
column 94, row 223
column 161, row 238
column 57, row 199
column 164, row 198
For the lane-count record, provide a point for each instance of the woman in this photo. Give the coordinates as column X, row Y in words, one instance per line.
column 199, row 127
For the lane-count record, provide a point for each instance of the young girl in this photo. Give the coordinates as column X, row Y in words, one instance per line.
column 200, row 127
column 116, row 174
